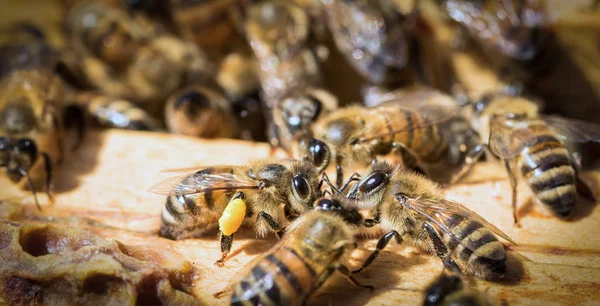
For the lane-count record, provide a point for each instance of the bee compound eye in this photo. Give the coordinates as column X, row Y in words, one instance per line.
column 324, row 204
column 319, row 153
column 372, row 182
column 28, row 146
column 300, row 186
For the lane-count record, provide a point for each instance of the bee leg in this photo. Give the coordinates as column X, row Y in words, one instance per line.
column 339, row 175
column 440, row 248
column 343, row 270
column 468, row 163
column 381, row 244
column 48, row 169
column 408, row 158
column 354, row 177
column 271, row 222
column 31, row 187
column 226, row 242
column 513, row 186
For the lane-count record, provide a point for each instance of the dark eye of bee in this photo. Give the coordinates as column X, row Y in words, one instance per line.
column 300, row 186
column 28, row 146
column 319, row 153
column 372, row 182
column 325, row 204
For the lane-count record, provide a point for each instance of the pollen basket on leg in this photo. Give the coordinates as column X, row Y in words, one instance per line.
column 232, row 217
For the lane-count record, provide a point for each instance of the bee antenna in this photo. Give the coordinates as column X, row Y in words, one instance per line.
column 24, row 173
column 325, row 179
column 326, row 192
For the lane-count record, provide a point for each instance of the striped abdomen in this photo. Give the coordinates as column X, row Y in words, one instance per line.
column 479, row 251
column 427, row 142
column 189, row 215
column 121, row 114
column 546, row 167
column 282, row 277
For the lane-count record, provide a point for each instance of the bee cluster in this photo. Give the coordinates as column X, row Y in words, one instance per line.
column 269, row 71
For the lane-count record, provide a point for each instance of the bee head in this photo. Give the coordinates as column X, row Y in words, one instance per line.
column 298, row 111
column 17, row 156
column 377, row 179
column 334, row 205
column 304, row 187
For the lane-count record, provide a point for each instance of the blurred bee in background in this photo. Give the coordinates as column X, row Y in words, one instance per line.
column 315, row 247
column 534, row 54
column 521, row 137
column 403, row 127
column 114, row 112
column 278, row 32
column 233, row 195
column 124, row 58
column 294, row 115
column 449, row 289
column 238, row 76
column 210, row 24
column 371, row 35
column 508, row 27
column 411, row 207
column 200, row 111
column 31, row 133
column 76, row 99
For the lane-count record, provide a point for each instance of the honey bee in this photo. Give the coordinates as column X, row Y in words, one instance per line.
column 311, row 251
column 278, row 33
column 371, row 35
column 200, row 111
column 125, row 58
column 115, row 112
column 238, row 76
column 30, row 121
column 410, row 206
column 518, row 134
column 295, row 113
column 235, row 194
column 449, row 289
column 513, row 28
column 104, row 32
column 404, row 127
column 210, row 24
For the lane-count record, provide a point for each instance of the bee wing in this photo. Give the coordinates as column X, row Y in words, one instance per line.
column 506, row 141
column 442, row 211
column 202, row 182
column 429, row 104
column 573, row 129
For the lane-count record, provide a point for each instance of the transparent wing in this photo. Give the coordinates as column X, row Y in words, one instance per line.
column 573, row 129
column 202, row 182
column 443, row 211
column 508, row 138
column 424, row 107
column 506, row 141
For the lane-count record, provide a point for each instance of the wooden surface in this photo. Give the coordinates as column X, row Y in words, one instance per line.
column 102, row 187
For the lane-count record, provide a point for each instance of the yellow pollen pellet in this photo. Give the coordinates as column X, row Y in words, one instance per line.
column 232, row 216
